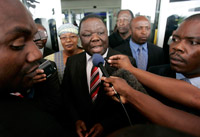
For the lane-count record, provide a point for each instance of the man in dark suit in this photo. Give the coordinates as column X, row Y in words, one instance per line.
column 151, row 54
column 18, row 62
column 90, row 117
column 185, row 59
column 184, row 53
column 122, row 32
column 175, row 90
column 41, row 40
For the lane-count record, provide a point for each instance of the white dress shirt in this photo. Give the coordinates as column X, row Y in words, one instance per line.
column 89, row 66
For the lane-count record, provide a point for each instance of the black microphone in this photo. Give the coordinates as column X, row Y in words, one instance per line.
column 130, row 79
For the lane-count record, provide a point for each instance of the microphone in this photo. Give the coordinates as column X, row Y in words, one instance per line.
column 130, row 79
column 98, row 61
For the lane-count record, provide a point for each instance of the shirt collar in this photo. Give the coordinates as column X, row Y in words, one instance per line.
column 194, row 81
column 136, row 46
column 179, row 76
column 89, row 58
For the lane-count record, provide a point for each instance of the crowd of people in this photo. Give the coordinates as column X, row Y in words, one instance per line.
column 62, row 94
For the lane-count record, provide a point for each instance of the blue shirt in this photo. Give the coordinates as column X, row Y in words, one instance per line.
column 135, row 49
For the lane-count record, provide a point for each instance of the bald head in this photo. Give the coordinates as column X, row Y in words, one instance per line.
column 193, row 17
column 12, row 10
column 18, row 52
column 138, row 19
column 140, row 29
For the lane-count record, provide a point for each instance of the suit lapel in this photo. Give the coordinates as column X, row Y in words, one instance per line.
column 83, row 76
column 84, row 85
column 109, row 69
column 127, row 49
column 150, row 55
column 168, row 72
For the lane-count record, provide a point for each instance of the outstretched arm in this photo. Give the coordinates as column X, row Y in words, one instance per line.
column 152, row 108
column 173, row 89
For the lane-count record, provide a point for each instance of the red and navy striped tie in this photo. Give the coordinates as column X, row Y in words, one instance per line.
column 94, row 83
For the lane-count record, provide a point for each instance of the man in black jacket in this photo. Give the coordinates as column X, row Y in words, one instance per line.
column 18, row 62
column 184, row 53
column 152, row 55
column 122, row 32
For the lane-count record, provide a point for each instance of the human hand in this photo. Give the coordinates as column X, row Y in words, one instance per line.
column 119, row 84
column 95, row 131
column 120, row 61
column 40, row 76
column 81, row 128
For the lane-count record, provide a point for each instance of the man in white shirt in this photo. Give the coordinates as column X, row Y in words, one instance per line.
column 90, row 116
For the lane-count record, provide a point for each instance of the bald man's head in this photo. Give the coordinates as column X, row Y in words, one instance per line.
column 140, row 29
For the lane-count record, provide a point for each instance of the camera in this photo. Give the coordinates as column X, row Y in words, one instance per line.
column 47, row 67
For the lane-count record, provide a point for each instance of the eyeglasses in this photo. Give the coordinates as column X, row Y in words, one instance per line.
column 72, row 37
column 40, row 35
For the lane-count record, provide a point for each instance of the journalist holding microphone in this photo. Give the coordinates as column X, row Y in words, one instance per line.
column 184, row 58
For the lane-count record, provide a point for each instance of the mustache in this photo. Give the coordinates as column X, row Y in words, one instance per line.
column 177, row 55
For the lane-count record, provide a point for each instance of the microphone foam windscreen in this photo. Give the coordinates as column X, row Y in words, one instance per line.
column 97, row 59
column 130, row 79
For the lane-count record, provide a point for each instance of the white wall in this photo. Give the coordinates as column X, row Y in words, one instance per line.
column 169, row 8
column 44, row 10
column 84, row 6
column 143, row 7
column 88, row 4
